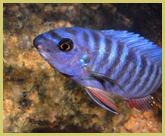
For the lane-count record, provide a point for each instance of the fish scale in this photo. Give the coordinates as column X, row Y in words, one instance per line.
column 98, row 57
column 146, row 67
column 131, row 71
column 104, row 62
column 111, row 57
column 129, row 84
column 113, row 65
column 90, row 42
column 150, row 81
column 117, row 62
column 108, row 49
column 101, row 49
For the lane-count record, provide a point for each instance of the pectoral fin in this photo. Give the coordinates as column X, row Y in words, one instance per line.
column 103, row 98
column 103, row 79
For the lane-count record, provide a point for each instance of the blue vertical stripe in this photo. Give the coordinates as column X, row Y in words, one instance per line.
column 112, row 57
column 100, row 54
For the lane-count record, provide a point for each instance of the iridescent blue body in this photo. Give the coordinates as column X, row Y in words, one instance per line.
column 130, row 60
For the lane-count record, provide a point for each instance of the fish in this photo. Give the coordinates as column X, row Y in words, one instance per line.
column 107, row 63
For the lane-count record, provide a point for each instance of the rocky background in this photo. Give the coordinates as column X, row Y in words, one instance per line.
column 39, row 99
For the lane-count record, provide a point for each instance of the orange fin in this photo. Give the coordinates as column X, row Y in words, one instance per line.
column 145, row 103
column 103, row 98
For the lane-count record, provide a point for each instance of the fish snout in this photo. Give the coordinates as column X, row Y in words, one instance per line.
column 38, row 41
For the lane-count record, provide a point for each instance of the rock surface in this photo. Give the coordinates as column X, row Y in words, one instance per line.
column 39, row 99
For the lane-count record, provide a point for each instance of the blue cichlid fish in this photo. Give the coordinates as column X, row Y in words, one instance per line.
column 106, row 63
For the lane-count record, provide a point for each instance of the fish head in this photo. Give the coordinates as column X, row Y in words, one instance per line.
column 62, row 50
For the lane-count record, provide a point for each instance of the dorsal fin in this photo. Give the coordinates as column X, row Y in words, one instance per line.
column 138, row 44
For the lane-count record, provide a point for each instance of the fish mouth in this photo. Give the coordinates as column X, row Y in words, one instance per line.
column 41, row 48
column 45, row 53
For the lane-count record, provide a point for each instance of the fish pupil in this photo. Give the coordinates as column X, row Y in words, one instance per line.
column 65, row 45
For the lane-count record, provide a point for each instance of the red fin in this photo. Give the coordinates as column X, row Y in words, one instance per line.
column 103, row 98
column 145, row 103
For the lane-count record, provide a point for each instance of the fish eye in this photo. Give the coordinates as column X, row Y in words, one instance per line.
column 65, row 45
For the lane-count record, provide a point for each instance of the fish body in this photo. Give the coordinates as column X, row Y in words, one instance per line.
column 105, row 62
